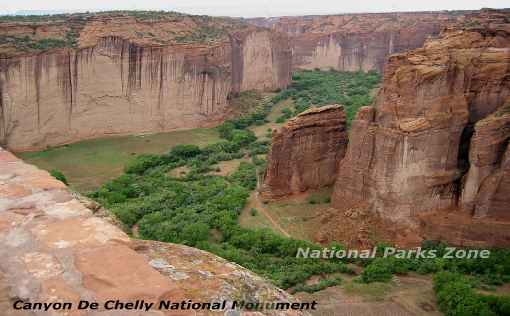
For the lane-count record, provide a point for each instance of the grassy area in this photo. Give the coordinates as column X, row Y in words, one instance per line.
column 262, row 131
column 88, row 164
column 297, row 215
column 254, row 221
column 376, row 291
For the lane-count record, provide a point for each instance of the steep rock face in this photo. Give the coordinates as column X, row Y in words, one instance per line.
column 409, row 153
column 116, row 82
column 261, row 61
column 55, row 250
column 305, row 152
column 353, row 42
column 114, row 88
column 487, row 185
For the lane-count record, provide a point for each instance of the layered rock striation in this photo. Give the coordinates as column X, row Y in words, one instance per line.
column 92, row 76
column 353, row 42
column 54, row 249
column 306, row 151
column 437, row 136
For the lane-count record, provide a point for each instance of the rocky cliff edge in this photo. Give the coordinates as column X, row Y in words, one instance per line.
column 54, row 249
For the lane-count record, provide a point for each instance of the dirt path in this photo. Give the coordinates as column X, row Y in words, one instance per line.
column 262, row 209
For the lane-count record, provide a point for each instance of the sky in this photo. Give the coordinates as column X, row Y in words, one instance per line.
column 248, row 8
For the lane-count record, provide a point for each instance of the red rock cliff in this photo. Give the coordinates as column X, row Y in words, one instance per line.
column 437, row 136
column 123, row 74
column 353, row 42
column 306, row 151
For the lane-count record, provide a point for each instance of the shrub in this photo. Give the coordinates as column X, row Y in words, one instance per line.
column 245, row 175
column 321, row 285
column 143, row 162
column 253, row 212
column 57, row 174
column 379, row 270
column 185, row 151
column 243, row 137
column 456, row 297
column 194, row 233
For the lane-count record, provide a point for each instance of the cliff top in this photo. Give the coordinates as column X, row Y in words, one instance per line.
column 54, row 249
column 320, row 109
column 31, row 34
column 373, row 22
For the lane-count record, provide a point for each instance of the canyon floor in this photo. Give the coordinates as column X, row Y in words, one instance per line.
column 90, row 163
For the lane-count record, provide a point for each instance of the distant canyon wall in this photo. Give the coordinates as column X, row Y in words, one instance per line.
column 353, row 42
column 119, row 87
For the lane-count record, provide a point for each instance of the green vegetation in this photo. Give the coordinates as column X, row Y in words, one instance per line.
column 190, row 208
column 59, row 176
column 203, row 34
column 321, row 285
column 456, row 296
column 26, row 43
column 138, row 14
column 34, row 18
column 90, row 163
column 455, row 279
column 317, row 88
column 144, row 15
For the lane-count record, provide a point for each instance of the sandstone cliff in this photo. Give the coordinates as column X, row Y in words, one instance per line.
column 415, row 151
column 55, row 250
column 353, row 42
column 306, row 151
column 96, row 75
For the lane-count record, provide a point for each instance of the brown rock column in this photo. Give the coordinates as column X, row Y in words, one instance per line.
column 305, row 153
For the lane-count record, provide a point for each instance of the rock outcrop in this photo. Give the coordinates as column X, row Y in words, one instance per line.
column 306, row 151
column 54, row 249
column 487, row 184
column 95, row 75
column 415, row 151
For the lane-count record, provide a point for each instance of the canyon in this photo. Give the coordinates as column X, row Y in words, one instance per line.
column 357, row 42
column 126, row 75
column 432, row 151
column 91, row 75
column 428, row 160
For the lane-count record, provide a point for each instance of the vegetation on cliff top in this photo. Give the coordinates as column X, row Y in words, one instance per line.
column 26, row 43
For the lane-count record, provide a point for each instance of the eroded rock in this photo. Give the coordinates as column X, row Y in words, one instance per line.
column 305, row 152
column 410, row 154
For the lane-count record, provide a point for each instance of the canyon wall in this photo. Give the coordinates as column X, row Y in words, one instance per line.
column 117, row 83
column 55, row 249
column 306, row 151
column 437, row 136
column 352, row 42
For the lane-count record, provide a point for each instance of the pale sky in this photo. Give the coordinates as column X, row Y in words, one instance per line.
column 249, row 8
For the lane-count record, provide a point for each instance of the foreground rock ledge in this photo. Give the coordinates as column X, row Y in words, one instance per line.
column 54, row 249
column 306, row 151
